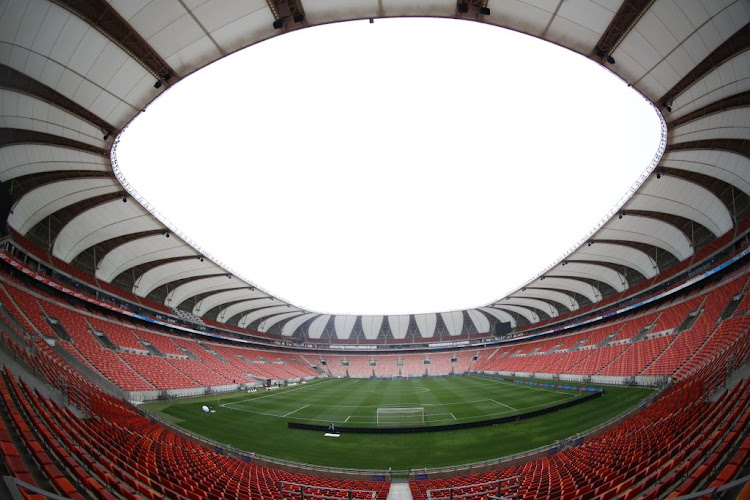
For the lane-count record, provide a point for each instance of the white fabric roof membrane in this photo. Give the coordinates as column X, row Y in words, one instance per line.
column 530, row 315
column 267, row 323
column 454, row 321
column 371, row 326
column 481, row 323
column 654, row 58
column 593, row 271
column 59, row 49
column 399, row 325
column 500, row 315
column 40, row 203
column 617, row 254
column 728, row 124
column 101, row 223
column 543, row 306
column 264, row 312
column 343, row 325
column 291, row 326
column 172, row 271
column 140, row 251
column 426, row 324
column 22, row 111
column 728, row 79
column 203, row 285
column 650, row 231
column 315, row 330
column 537, row 293
column 246, row 305
column 731, row 168
column 26, row 159
column 62, row 51
column 569, row 285
column 673, row 195
column 207, row 303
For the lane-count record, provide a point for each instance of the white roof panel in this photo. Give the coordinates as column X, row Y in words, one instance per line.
column 538, row 304
column 729, row 124
column 291, row 326
column 618, row 254
column 315, row 330
column 265, row 312
column 38, row 204
column 730, row 78
column 172, row 271
column 371, row 326
column 481, row 323
column 570, row 285
column 650, row 231
column 140, row 251
column 500, row 315
column 25, row 112
column 268, row 323
column 245, row 306
column 101, row 223
column 454, row 321
column 207, row 303
column 731, row 168
column 399, row 325
column 674, row 195
column 426, row 324
column 343, row 325
column 18, row 160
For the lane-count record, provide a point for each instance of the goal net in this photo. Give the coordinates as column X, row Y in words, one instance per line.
column 400, row 416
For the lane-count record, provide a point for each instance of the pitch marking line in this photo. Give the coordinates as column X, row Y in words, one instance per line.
column 347, row 419
column 295, row 411
column 503, row 404
column 526, row 386
column 280, row 393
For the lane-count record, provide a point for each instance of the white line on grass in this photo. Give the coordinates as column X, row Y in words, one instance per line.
column 281, row 393
column 347, row 419
column 524, row 386
column 503, row 404
column 295, row 411
column 454, row 417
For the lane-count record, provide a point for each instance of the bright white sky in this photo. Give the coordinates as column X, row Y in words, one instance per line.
column 405, row 166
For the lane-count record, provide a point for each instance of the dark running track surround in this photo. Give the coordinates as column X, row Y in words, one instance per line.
column 447, row 427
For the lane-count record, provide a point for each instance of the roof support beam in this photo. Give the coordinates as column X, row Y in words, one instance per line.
column 15, row 80
column 104, row 18
column 286, row 12
column 739, row 146
column 731, row 102
column 10, row 136
column 629, row 14
column 735, row 44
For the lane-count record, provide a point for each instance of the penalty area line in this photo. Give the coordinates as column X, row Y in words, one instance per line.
column 503, row 404
column 295, row 411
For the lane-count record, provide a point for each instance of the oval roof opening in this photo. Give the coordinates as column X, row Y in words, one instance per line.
column 400, row 166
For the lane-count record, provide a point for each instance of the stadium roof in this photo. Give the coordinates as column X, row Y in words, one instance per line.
column 74, row 73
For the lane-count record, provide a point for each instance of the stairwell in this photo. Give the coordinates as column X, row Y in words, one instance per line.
column 57, row 328
column 208, row 349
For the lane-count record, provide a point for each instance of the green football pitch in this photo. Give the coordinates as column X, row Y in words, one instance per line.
column 258, row 422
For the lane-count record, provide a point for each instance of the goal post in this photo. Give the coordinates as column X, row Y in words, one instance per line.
column 390, row 416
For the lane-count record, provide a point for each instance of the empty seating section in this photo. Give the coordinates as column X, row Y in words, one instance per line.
column 31, row 310
column 632, row 326
column 118, row 451
column 672, row 446
column 118, row 334
column 644, row 456
column 161, row 342
column 636, row 357
column 673, row 317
